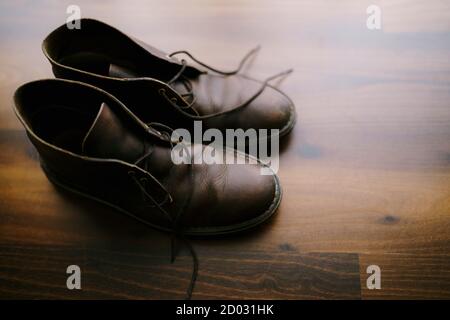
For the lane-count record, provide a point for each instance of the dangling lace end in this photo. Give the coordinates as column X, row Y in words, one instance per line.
column 256, row 49
column 225, row 73
column 280, row 75
column 174, row 243
column 194, row 271
column 252, row 52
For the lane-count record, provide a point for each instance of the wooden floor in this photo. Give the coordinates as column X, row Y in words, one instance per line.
column 365, row 173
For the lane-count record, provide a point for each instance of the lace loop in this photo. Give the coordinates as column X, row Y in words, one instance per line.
column 142, row 183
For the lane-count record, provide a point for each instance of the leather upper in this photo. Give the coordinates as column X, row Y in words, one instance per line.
column 89, row 141
column 136, row 73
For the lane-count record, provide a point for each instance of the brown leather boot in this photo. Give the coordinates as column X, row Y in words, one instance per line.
column 90, row 143
column 159, row 87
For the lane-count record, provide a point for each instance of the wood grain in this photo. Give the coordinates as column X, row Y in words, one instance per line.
column 408, row 276
column 136, row 273
column 365, row 173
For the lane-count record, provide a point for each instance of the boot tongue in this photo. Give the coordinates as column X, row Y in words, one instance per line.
column 110, row 137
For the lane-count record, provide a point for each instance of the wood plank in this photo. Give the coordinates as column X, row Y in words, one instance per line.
column 136, row 273
column 408, row 276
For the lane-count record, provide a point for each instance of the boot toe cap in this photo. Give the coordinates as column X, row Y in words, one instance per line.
column 233, row 198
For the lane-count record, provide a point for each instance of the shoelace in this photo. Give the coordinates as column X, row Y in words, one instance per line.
column 189, row 88
column 177, row 231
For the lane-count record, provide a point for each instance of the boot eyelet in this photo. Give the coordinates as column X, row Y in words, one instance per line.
column 162, row 91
